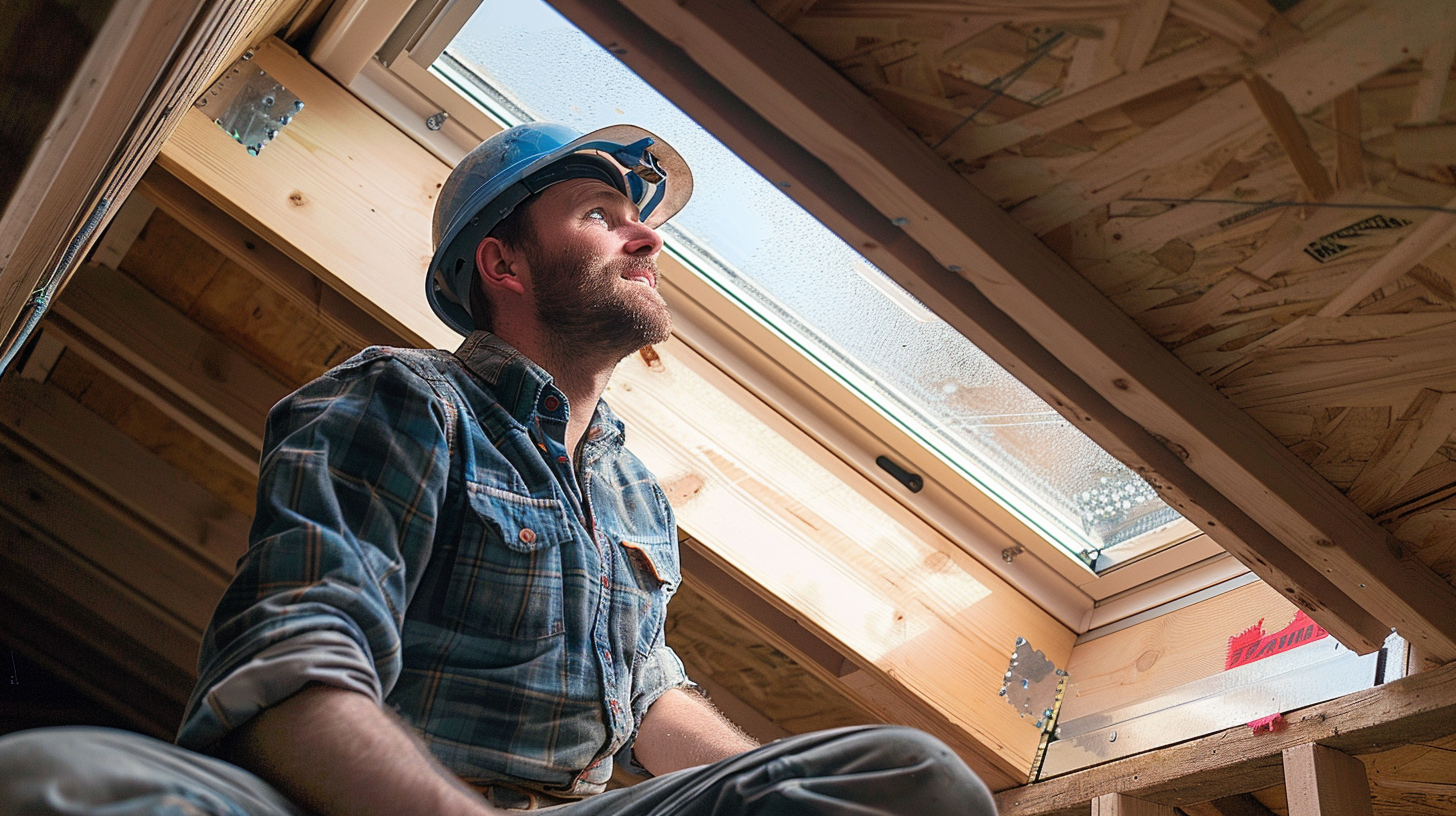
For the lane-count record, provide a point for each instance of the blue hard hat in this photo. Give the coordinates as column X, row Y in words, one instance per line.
column 506, row 169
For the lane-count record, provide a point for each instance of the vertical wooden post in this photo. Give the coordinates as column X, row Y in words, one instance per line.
column 1117, row 804
column 1324, row 782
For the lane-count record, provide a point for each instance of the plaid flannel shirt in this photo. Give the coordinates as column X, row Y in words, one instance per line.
column 421, row 537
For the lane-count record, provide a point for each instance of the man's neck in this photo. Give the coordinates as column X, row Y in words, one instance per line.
column 582, row 377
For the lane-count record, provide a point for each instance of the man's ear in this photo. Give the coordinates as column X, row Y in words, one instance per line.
column 496, row 264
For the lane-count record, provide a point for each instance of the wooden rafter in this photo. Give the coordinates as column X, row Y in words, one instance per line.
column 1304, row 528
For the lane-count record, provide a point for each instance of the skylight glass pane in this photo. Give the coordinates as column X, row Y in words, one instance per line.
column 523, row 61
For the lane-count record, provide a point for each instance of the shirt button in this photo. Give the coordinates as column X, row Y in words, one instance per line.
column 616, row 707
column 527, row 535
column 606, row 582
column 562, row 460
column 551, row 403
column 607, row 655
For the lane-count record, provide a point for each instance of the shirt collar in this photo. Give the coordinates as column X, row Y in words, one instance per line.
column 522, row 387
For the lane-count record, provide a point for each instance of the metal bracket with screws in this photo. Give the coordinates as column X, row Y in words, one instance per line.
column 1033, row 685
column 249, row 105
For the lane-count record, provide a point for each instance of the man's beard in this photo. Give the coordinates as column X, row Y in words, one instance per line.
column 589, row 311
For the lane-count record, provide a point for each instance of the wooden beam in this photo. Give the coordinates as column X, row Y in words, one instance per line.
column 1120, row 804
column 1321, row 781
column 269, row 264
column 151, row 59
column 186, row 371
column 791, row 88
column 324, row 209
column 754, row 607
column 922, row 617
column 80, row 449
column 1412, row 709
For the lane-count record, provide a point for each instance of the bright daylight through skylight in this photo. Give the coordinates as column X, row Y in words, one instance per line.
column 764, row 252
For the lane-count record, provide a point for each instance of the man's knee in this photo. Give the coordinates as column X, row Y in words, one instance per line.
column 915, row 772
column 85, row 770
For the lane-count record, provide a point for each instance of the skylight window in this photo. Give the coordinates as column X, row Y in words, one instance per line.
column 776, row 261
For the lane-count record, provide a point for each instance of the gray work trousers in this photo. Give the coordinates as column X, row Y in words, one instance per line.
column 860, row 771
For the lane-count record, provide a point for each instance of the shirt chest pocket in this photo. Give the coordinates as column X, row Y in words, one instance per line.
column 507, row 579
column 652, row 565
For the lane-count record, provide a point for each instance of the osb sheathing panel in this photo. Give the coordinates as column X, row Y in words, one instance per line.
column 1331, row 323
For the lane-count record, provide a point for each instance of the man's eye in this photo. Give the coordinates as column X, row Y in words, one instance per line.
column 598, row 214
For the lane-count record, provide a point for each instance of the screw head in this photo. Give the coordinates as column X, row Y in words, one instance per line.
column 1112, row 737
column 900, row 221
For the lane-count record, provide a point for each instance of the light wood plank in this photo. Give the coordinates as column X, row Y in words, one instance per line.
column 44, row 425
column 182, row 358
column 1158, row 655
column 312, row 179
column 248, row 250
column 1324, row 782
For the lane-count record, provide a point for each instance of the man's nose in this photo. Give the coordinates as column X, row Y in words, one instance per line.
column 643, row 240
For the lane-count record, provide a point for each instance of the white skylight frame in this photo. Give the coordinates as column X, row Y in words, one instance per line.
column 759, row 356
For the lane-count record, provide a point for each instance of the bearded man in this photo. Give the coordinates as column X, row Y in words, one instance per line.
column 454, row 595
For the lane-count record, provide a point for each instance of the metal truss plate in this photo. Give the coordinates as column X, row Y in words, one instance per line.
column 249, row 105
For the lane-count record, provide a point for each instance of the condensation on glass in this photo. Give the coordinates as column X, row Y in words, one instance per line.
column 764, row 251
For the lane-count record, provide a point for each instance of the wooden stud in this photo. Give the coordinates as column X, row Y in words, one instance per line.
column 1119, row 804
column 1292, row 137
column 1324, row 782
column 170, row 360
column 1349, row 154
column 77, row 447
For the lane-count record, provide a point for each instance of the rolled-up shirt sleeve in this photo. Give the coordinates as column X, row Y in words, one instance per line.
column 353, row 473
column 660, row 672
